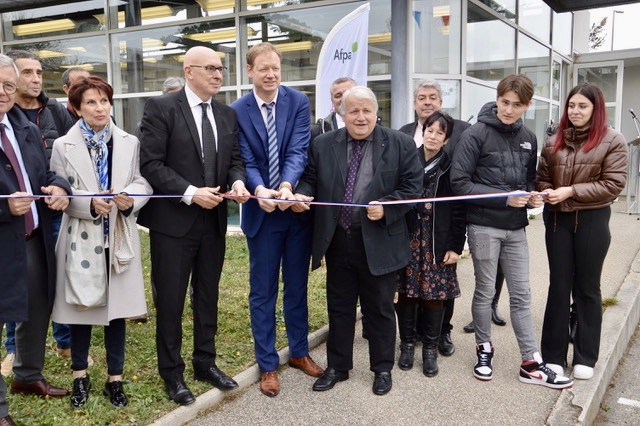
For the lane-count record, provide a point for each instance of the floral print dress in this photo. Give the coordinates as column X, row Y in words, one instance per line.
column 422, row 277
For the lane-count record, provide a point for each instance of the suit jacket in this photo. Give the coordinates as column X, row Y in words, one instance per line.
column 293, row 118
column 71, row 157
column 13, row 261
column 459, row 127
column 397, row 175
column 171, row 160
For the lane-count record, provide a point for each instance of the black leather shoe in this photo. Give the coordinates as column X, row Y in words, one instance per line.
column 216, row 377
column 115, row 393
column 329, row 379
column 80, row 394
column 496, row 317
column 469, row 328
column 382, row 383
column 445, row 345
column 179, row 392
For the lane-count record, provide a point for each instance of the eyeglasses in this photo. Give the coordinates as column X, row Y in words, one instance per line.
column 9, row 88
column 209, row 68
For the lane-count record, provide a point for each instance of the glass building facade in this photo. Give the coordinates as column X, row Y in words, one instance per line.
column 467, row 45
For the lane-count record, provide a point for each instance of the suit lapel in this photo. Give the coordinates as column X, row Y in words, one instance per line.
column 79, row 159
column 340, row 154
column 122, row 156
column 379, row 143
column 282, row 114
column 184, row 107
column 20, row 132
column 255, row 115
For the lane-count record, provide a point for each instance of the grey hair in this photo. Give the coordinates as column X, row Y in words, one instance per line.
column 172, row 83
column 341, row 80
column 358, row 93
column 426, row 84
column 7, row 62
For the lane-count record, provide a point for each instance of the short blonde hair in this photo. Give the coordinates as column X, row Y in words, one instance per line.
column 259, row 49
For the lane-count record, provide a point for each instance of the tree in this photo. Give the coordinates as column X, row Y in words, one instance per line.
column 597, row 35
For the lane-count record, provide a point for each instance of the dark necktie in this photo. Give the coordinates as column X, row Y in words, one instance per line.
column 208, row 148
column 350, row 185
column 29, row 223
column 274, row 167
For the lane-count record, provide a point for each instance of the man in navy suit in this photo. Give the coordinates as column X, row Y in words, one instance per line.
column 26, row 242
column 275, row 235
column 189, row 147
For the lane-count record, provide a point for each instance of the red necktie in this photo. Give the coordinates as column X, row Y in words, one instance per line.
column 29, row 223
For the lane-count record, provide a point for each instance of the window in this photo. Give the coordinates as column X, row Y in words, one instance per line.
column 437, row 36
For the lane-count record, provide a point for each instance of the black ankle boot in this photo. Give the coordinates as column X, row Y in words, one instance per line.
column 407, row 350
column 429, row 361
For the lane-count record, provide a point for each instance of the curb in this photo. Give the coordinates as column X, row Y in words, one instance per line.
column 580, row 405
column 245, row 379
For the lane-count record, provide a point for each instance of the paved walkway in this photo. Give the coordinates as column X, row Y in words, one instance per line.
column 454, row 396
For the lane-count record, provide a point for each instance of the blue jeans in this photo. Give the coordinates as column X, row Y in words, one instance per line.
column 490, row 246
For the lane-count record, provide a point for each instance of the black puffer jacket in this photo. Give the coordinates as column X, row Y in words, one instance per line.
column 493, row 157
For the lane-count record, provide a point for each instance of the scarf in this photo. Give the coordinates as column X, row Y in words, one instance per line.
column 97, row 144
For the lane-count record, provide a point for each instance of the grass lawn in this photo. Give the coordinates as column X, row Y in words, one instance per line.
column 143, row 385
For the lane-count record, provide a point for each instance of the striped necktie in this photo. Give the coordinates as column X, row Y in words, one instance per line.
column 29, row 222
column 274, row 166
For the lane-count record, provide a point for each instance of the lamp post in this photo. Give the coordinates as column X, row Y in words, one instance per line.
column 613, row 25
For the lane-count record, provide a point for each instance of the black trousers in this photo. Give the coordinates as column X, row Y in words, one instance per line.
column 199, row 255
column 114, row 342
column 348, row 278
column 577, row 244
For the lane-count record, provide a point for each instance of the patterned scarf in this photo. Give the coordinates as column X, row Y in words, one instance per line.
column 97, row 144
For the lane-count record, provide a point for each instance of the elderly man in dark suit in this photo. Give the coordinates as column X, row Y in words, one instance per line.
column 363, row 163
column 26, row 242
column 190, row 147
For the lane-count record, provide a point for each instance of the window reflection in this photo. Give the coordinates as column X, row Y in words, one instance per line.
column 490, row 46
column 437, row 36
column 606, row 78
column 475, row 98
column 562, row 37
column 537, row 119
column 535, row 17
column 58, row 55
column 533, row 60
column 504, row 8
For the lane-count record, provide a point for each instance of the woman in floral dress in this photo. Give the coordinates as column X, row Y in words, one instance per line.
column 437, row 240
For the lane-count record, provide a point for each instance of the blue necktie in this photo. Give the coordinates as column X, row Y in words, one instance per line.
column 274, row 166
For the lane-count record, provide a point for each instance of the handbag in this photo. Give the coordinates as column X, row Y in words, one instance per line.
column 123, row 244
column 85, row 264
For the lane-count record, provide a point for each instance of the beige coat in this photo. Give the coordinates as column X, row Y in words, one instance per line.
column 70, row 157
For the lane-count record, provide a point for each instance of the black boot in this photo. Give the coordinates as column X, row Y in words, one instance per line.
column 495, row 315
column 407, row 325
column 431, row 325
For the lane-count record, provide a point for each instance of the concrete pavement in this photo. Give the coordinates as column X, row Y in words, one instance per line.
column 454, row 396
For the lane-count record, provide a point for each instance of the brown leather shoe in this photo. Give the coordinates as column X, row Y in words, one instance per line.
column 7, row 421
column 307, row 365
column 269, row 384
column 41, row 388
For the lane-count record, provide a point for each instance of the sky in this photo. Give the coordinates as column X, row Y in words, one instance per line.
column 626, row 26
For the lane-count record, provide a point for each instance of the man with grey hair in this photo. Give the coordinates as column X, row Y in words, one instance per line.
column 172, row 84
column 26, row 242
column 427, row 99
column 333, row 121
column 362, row 163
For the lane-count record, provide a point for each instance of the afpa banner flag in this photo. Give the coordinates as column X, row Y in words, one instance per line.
column 343, row 54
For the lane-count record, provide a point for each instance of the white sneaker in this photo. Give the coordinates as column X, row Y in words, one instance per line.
column 556, row 368
column 7, row 364
column 582, row 372
column 536, row 372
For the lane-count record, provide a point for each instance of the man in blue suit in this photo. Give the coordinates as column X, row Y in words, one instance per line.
column 273, row 123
